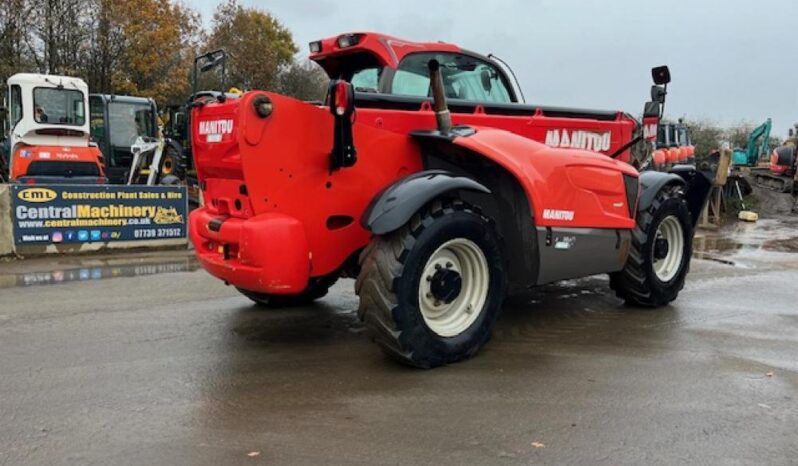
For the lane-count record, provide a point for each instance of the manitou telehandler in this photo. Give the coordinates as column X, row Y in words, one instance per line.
column 423, row 176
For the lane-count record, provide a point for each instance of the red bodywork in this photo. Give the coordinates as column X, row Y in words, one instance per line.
column 275, row 215
column 25, row 155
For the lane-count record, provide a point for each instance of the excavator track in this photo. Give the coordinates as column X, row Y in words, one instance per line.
column 764, row 178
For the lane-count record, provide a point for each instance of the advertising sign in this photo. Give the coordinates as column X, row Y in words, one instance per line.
column 62, row 214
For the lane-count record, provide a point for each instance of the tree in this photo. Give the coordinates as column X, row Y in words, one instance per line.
column 162, row 38
column 258, row 46
column 303, row 80
column 14, row 36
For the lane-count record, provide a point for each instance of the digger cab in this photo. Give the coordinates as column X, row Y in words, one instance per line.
column 117, row 121
column 48, row 131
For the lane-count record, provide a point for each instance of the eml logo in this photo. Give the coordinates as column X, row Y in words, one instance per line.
column 216, row 127
column 564, row 215
column 37, row 195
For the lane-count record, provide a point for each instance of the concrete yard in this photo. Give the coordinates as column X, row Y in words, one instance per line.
column 142, row 358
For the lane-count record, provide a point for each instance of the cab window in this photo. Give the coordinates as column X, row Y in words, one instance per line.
column 15, row 107
column 58, row 106
column 464, row 77
column 97, row 120
column 367, row 79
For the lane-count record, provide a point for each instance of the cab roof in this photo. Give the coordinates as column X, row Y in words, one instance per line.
column 48, row 80
column 386, row 50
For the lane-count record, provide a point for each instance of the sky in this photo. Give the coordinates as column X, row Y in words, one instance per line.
column 730, row 60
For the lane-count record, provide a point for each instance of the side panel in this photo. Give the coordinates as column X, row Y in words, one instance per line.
column 603, row 136
column 568, row 188
column 578, row 252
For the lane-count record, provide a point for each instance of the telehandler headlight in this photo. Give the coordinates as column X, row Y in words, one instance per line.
column 315, row 47
column 348, row 40
column 263, row 106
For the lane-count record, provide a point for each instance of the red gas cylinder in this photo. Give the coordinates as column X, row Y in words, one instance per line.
column 691, row 154
column 673, row 155
column 682, row 154
column 660, row 159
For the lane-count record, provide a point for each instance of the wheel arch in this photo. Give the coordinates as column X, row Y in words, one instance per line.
column 651, row 182
column 510, row 204
column 396, row 204
column 696, row 184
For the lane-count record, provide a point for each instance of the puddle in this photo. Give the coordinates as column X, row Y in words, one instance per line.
column 98, row 272
column 782, row 245
column 739, row 241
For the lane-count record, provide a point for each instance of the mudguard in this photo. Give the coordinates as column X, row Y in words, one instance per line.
column 394, row 206
column 697, row 185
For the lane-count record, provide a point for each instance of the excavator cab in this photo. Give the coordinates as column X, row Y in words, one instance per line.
column 48, row 135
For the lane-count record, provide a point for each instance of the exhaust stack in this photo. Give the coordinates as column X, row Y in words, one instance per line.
column 442, row 115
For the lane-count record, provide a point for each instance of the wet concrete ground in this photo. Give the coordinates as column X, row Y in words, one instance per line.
column 143, row 359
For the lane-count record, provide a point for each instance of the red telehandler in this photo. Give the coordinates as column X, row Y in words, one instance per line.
column 423, row 176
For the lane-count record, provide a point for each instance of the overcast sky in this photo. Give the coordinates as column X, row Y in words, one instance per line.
column 731, row 60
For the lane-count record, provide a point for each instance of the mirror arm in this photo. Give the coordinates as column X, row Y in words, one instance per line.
column 626, row 146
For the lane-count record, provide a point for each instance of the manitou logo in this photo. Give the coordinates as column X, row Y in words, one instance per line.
column 578, row 139
column 216, row 127
column 565, row 215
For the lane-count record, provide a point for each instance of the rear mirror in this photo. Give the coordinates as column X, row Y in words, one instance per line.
column 212, row 63
column 661, row 75
column 652, row 109
column 658, row 94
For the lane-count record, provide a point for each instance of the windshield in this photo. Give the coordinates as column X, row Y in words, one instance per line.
column 464, row 77
column 128, row 121
column 58, row 106
column 684, row 139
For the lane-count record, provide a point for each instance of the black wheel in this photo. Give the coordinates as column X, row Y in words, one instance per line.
column 430, row 292
column 317, row 288
column 173, row 164
column 659, row 258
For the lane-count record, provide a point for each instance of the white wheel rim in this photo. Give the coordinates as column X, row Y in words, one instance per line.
column 669, row 230
column 462, row 257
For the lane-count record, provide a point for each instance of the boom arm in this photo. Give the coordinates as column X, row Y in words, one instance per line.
column 752, row 148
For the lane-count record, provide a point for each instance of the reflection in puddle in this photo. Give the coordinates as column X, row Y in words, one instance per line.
column 100, row 272
column 739, row 241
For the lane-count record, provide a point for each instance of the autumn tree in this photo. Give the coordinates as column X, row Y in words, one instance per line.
column 162, row 38
column 259, row 47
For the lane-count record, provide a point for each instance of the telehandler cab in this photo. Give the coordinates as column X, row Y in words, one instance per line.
column 425, row 178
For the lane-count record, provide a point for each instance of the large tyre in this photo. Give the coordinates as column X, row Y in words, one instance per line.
column 659, row 259
column 317, row 288
column 430, row 292
column 173, row 164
